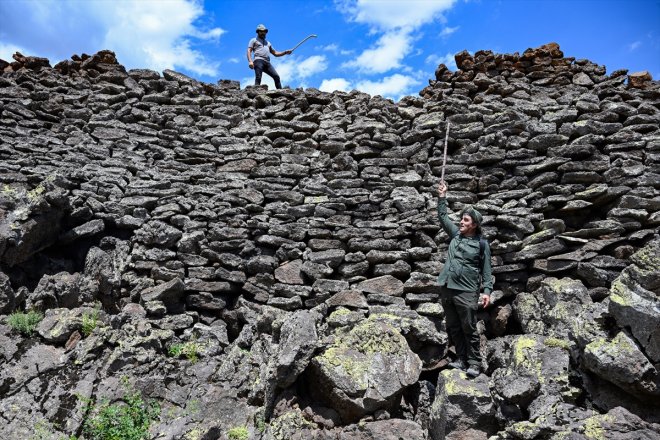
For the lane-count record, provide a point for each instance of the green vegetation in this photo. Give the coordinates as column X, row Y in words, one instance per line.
column 25, row 323
column 261, row 425
column 127, row 420
column 90, row 321
column 190, row 350
column 238, row 433
column 45, row 430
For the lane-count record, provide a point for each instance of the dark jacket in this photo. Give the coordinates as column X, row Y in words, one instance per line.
column 461, row 270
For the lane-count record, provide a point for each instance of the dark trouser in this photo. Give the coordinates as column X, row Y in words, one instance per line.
column 461, row 314
column 264, row 66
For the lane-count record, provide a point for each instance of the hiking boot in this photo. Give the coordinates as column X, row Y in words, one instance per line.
column 458, row 364
column 473, row 371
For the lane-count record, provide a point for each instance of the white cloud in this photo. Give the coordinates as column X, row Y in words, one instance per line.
column 158, row 37
column 634, row 46
column 394, row 14
column 330, row 85
column 448, row 60
column 390, row 50
column 141, row 33
column 335, row 49
column 330, row 48
column 394, row 86
column 397, row 21
column 312, row 65
column 7, row 50
column 447, row 31
column 234, row 60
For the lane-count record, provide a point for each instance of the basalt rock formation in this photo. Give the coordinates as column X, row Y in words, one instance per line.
column 267, row 260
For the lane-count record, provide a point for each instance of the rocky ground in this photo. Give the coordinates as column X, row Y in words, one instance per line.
column 287, row 243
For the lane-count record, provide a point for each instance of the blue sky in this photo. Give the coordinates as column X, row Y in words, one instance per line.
column 386, row 47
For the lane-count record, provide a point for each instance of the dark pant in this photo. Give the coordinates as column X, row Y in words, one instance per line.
column 461, row 314
column 264, row 66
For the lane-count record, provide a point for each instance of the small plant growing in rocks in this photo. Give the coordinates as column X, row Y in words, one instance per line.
column 90, row 321
column 25, row 323
column 238, row 433
column 189, row 349
column 128, row 420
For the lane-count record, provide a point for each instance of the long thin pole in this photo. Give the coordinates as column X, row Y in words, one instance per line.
column 444, row 157
column 297, row 45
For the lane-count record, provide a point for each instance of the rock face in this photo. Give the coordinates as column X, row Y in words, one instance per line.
column 267, row 259
column 365, row 369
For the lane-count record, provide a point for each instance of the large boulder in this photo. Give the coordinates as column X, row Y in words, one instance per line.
column 552, row 308
column 635, row 303
column 463, row 407
column 59, row 290
column 365, row 369
column 544, row 362
column 297, row 342
column 621, row 362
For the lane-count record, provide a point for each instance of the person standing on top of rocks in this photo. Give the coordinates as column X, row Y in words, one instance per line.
column 468, row 260
column 262, row 50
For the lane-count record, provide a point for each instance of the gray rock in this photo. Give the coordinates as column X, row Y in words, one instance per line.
column 290, row 273
column 540, row 250
column 58, row 325
column 348, row 298
column 169, row 293
column 297, row 342
column 59, row 290
column 386, row 284
column 7, row 296
column 330, row 257
column 621, row 362
column 461, row 406
column 365, row 369
column 393, row 429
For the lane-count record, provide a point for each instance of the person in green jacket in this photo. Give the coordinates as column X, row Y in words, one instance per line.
column 467, row 266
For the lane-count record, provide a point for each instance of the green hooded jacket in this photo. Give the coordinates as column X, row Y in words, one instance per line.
column 461, row 270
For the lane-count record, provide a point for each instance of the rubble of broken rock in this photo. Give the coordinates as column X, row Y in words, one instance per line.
column 266, row 259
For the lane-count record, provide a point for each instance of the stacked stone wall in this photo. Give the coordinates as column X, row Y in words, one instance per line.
column 203, row 211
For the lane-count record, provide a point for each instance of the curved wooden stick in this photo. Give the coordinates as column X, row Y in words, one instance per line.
column 297, row 45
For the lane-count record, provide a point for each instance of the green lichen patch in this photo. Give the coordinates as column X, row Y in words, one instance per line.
column 560, row 343
column 526, row 355
column 284, row 426
column 353, row 352
column 647, row 258
column 525, row 430
column 341, row 311
column 619, row 347
column 619, row 293
column 457, row 383
column 594, row 428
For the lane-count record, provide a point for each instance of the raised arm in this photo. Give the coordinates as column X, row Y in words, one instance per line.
column 449, row 227
column 279, row 54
